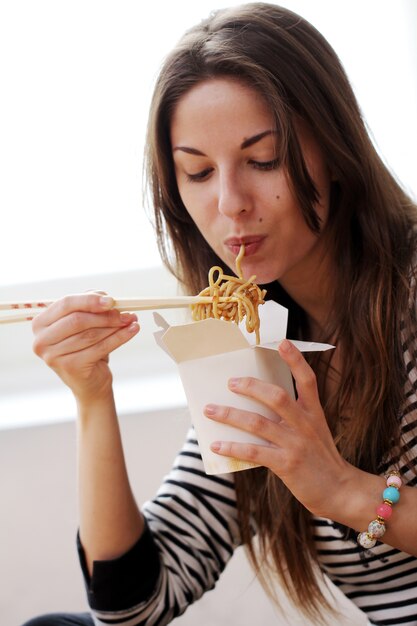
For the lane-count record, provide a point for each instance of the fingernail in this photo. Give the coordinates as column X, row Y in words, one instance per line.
column 210, row 409
column 133, row 328
column 127, row 317
column 233, row 383
column 285, row 346
column 106, row 302
column 215, row 446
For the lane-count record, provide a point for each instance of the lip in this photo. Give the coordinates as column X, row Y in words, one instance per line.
column 252, row 244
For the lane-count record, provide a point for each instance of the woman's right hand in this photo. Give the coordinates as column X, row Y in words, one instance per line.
column 75, row 335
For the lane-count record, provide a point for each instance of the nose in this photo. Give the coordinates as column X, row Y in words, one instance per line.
column 233, row 196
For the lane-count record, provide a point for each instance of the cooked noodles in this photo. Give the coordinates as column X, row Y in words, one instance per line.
column 232, row 298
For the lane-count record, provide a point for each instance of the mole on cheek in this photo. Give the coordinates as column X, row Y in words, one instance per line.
column 278, row 197
column 260, row 219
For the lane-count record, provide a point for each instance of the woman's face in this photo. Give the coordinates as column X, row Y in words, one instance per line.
column 224, row 149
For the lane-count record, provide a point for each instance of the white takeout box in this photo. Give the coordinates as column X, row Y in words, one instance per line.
column 210, row 352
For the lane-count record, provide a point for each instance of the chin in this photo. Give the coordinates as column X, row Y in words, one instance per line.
column 263, row 273
column 263, row 276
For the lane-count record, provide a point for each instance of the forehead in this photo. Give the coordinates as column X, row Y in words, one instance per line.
column 224, row 103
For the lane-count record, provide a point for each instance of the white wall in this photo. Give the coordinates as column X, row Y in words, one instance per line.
column 76, row 81
column 30, row 393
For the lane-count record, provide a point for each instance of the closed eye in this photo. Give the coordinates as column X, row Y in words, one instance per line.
column 265, row 165
column 200, row 176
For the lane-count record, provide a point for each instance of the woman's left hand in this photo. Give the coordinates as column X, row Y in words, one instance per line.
column 301, row 449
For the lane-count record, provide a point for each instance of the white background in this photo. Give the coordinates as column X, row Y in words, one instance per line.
column 76, row 78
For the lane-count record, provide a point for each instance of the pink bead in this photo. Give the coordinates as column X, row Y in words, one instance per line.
column 394, row 481
column 384, row 510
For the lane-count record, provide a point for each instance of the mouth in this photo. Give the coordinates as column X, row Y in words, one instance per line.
column 252, row 244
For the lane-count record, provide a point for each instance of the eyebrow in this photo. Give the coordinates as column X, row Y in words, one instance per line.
column 245, row 144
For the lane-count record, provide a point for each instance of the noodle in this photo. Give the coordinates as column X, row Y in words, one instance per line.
column 232, row 298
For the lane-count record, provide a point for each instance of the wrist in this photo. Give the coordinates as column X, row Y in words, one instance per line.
column 377, row 526
column 96, row 402
column 358, row 499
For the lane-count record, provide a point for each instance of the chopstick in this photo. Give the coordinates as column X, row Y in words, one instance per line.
column 26, row 311
column 10, row 310
column 16, row 317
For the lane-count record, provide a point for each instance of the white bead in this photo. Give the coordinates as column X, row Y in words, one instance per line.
column 376, row 529
column 365, row 540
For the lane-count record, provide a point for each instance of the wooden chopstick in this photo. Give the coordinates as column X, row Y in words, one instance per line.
column 14, row 306
column 10, row 318
column 26, row 311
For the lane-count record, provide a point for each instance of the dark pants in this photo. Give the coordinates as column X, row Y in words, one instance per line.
column 61, row 619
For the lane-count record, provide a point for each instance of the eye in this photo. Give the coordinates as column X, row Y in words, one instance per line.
column 265, row 165
column 200, row 176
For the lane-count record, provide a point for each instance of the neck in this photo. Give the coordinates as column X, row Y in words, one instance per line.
column 313, row 290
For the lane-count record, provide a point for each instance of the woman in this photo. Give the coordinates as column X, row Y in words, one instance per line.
column 255, row 138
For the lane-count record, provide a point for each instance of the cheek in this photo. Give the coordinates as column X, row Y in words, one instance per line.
column 190, row 196
column 200, row 205
column 197, row 210
column 189, row 203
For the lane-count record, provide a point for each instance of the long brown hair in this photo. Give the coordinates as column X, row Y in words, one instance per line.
column 370, row 233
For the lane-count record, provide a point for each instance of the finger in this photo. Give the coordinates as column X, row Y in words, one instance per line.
column 305, row 379
column 81, row 323
column 103, row 348
column 85, row 338
column 87, row 302
column 75, row 360
column 248, row 421
column 267, row 456
column 274, row 397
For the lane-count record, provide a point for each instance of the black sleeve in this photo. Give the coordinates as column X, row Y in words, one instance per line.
column 125, row 581
column 192, row 531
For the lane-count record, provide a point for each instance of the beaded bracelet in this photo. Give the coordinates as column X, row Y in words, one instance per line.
column 376, row 528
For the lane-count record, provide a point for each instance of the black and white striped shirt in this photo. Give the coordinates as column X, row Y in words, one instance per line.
column 193, row 530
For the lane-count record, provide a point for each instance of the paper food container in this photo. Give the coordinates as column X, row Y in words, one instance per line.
column 210, row 352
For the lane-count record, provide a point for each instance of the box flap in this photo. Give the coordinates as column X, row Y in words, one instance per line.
column 196, row 340
column 274, row 319
column 302, row 346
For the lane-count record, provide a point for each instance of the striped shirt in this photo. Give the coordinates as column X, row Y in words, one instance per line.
column 192, row 531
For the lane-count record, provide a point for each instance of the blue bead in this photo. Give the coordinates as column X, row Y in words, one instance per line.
column 392, row 494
